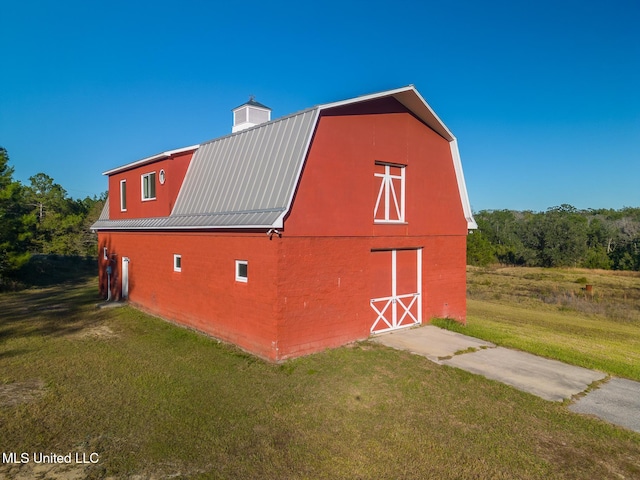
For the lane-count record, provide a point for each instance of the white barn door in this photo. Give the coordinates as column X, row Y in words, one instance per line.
column 396, row 283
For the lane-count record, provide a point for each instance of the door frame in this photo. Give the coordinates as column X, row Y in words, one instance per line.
column 124, row 293
column 398, row 306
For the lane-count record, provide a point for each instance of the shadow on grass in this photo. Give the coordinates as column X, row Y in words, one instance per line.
column 52, row 270
column 13, row 353
column 63, row 309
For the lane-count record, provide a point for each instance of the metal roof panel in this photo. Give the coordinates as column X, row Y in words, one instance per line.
column 252, row 170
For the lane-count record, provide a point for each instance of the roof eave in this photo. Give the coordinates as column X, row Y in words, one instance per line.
column 410, row 98
column 462, row 186
column 190, row 228
column 153, row 158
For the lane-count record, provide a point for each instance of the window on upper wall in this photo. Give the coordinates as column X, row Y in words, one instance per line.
column 177, row 262
column 241, row 271
column 123, row 195
column 149, row 186
column 390, row 193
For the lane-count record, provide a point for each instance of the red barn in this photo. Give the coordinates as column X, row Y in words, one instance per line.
column 298, row 234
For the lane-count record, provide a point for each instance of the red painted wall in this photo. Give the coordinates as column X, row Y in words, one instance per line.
column 325, row 284
column 330, row 231
column 175, row 168
column 337, row 189
column 322, row 293
column 304, row 294
column 205, row 294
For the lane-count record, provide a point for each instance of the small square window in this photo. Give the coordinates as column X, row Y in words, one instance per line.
column 177, row 263
column 149, row 186
column 241, row 271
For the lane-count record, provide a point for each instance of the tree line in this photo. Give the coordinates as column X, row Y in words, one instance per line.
column 561, row 236
column 41, row 219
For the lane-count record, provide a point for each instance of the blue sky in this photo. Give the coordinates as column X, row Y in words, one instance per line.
column 544, row 97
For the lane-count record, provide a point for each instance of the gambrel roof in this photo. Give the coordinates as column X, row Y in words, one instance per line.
column 248, row 179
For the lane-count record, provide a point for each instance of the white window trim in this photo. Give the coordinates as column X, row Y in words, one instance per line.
column 387, row 193
column 240, row 278
column 142, row 177
column 177, row 257
column 123, row 198
column 105, row 254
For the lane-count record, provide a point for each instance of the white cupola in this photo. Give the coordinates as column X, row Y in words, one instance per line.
column 249, row 115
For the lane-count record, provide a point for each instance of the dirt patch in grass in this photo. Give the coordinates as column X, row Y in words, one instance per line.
column 30, row 471
column 103, row 332
column 13, row 394
column 73, row 471
column 563, row 450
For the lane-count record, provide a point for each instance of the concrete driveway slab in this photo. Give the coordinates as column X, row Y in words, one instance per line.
column 429, row 341
column 548, row 379
column 617, row 401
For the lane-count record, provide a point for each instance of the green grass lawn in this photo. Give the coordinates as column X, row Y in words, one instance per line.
column 158, row 401
column 548, row 312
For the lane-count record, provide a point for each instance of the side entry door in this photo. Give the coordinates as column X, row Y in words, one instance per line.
column 125, row 278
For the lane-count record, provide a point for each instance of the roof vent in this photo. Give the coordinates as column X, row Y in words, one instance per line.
column 249, row 115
